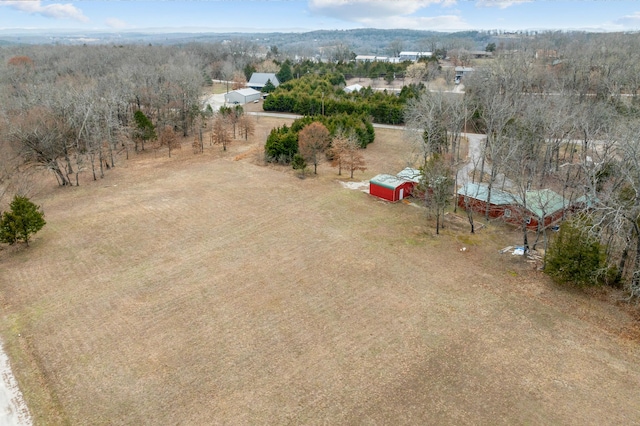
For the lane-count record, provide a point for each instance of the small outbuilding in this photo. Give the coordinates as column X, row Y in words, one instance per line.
column 241, row 96
column 353, row 88
column 394, row 188
column 461, row 72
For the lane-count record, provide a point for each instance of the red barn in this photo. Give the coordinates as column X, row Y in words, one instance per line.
column 390, row 188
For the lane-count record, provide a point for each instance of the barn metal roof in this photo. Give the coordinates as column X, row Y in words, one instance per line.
column 387, row 181
column 248, row 92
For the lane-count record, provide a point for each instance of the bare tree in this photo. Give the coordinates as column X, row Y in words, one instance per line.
column 169, row 139
column 437, row 185
column 247, row 126
column 220, row 131
column 345, row 152
column 313, row 140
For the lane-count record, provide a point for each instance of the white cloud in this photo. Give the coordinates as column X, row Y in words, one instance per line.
column 360, row 10
column 115, row 23
column 435, row 23
column 388, row 14
column 629, row 21
column 54, row 10
column 502, row 4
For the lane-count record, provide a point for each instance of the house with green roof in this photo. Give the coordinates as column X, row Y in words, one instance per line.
column 542, row 207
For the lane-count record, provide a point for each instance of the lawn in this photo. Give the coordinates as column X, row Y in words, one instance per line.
column 212, row 289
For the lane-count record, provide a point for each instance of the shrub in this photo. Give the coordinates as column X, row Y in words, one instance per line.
column 574, row 257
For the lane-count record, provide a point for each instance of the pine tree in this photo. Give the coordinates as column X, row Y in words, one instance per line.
column 23, row 220
column 574, row 256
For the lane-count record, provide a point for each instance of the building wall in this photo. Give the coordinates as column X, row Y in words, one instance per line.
column 480, row 207
column 381, row 192
column 391, row 194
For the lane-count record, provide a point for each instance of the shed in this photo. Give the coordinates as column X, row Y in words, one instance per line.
column 353, row 88
column 461, row 72
column 259, row 79
column 241, row 96
column 390, row 188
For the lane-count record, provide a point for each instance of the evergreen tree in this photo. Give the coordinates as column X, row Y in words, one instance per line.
column 285, row 73
column 575, row 257
column 23, row 220
column 298, row 163
column 268, row 87
column 145, row 130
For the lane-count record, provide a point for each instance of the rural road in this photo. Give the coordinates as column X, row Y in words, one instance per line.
column 13, row 410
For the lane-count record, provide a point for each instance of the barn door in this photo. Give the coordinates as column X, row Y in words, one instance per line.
column 401, row 194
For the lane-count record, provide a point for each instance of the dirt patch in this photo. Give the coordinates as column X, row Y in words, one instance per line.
column 202, row 290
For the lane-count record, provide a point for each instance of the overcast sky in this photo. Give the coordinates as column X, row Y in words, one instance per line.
column 307, row 15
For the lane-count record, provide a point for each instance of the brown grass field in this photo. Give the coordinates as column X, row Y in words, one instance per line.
column 211, row 289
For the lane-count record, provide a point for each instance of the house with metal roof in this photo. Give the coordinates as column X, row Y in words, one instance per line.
column 259, row 79
column 241, row 96
column 545, row 206
column 542, row 207
column 475, row 196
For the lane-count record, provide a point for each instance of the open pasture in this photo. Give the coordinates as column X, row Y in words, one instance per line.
column 202, row 290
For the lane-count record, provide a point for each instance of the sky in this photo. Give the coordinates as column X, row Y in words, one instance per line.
column 309, row 15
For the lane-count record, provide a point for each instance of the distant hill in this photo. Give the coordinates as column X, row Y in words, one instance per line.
column 365, row 41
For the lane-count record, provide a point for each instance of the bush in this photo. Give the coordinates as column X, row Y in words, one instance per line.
column 574, row 257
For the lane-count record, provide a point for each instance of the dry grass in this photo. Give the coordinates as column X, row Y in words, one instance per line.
column 203, row 290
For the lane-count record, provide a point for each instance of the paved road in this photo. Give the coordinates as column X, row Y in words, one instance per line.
column 296, row 116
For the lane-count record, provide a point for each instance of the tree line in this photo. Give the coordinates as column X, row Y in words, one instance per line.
column 567, row 120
